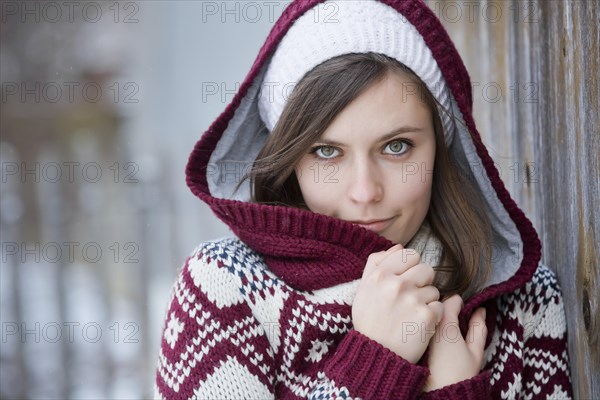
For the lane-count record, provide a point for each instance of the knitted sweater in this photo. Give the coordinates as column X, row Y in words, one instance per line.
column 268, row 313
column 234, row 330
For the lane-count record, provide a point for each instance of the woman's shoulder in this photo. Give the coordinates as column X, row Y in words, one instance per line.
column 542, row 287
column 220, row 268
column 537, row 304
column 228, row 252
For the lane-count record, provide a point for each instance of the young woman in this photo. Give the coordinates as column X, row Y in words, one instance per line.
column 378, row 254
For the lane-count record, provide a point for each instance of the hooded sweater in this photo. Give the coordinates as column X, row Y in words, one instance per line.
column 267, row 314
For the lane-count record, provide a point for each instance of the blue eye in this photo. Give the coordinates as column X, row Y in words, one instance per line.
column 325, row 152
column 397, row 147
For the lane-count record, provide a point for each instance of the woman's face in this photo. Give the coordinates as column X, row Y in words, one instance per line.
column 373, row 165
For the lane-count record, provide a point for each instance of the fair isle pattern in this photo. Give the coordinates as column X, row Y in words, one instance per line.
column 216, row 324
column 532, row 332
column 234, row 330
column 327, row 389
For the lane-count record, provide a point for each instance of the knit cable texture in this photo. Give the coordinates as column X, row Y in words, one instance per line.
column 233, row 330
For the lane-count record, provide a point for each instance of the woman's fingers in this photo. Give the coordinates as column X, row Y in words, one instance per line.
column 421, row 275
column 452, row 307
column 438, row 308
column 375, row 259
column 428, row 294
column 477, row 333
column 400, row 261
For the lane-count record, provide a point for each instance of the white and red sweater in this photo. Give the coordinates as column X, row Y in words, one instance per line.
column 234, row 330
column 268, row 315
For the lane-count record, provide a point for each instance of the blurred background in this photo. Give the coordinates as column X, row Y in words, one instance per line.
column 102, row 102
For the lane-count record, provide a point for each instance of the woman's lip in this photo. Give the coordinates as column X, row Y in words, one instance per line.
column 374, row 225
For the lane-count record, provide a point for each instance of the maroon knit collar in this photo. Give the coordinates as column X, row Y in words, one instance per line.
column 312, row 251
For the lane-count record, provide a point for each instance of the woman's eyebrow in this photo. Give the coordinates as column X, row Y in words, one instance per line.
column 399, row 131
column 383, row 138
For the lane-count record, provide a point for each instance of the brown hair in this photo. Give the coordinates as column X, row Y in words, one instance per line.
column 456, row 212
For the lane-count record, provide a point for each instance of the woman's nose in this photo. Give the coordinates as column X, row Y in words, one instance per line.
column 365, row 184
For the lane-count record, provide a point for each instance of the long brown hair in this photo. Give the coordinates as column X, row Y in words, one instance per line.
column 455, row 213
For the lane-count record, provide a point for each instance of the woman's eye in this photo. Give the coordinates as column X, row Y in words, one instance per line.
column 326, row 152
column 396, row 147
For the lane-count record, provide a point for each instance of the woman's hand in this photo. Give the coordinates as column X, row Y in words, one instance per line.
column 396, row 304
column 453, row 358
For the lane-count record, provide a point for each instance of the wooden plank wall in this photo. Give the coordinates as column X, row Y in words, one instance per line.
column 535, row 68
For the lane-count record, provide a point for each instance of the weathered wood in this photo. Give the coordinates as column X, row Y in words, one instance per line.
column 543, row 134
column 570, row 81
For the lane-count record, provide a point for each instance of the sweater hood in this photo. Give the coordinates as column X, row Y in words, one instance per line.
column 312, row 251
